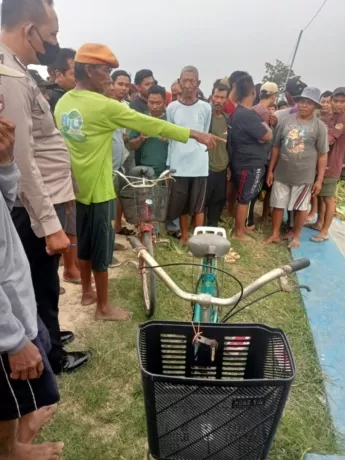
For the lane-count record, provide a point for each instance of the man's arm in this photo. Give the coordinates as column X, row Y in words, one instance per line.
column 12, row 333
column 116, row 114
column 273, row 163
column 268, row 136
column 321, row 169
column 257, row 129
column 135, row 139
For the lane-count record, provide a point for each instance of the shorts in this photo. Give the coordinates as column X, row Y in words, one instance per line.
column 187, row 196
column 21, row 397
column 248, row 183
column 96, row 233
column 329, row 187
column 290, row 197
column 67, row 220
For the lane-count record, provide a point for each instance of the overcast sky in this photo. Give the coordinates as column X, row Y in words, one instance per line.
column 217, row 36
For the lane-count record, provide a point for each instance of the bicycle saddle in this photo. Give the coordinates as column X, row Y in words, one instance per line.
column 207, row 244
column 142, row 171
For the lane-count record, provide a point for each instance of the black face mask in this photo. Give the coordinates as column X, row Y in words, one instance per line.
column 50, row 52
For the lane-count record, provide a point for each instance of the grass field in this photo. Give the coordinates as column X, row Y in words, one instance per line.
column 101, row 415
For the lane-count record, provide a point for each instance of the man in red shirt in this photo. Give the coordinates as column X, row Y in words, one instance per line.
column 336, row 136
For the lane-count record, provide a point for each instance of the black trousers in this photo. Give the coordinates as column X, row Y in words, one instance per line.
column 215, row 197
column 45, row 278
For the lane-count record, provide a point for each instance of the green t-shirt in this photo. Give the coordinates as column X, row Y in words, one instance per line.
column 88, row 120
column 219, row 157
column 153, row 152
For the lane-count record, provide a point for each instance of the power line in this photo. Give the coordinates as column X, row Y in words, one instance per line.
column 300, row 37
column 315, row 15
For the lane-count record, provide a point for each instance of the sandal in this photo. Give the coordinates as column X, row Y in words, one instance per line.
column 319, row 239
column 72, row 281
column 312, row 227
column 231, row 257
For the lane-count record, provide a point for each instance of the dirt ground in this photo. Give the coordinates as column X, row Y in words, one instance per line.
column 72, row 314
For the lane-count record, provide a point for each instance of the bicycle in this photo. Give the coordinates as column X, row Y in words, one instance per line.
column 218, row 391
column 144, row 200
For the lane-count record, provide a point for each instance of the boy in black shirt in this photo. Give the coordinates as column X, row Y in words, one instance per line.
column 249, row 152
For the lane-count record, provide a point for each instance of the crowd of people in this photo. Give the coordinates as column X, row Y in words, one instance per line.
column 63, row 139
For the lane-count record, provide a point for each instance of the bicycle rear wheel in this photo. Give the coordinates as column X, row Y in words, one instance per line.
column 148, row 277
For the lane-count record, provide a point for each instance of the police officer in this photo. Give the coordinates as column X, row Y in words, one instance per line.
column 29, row 36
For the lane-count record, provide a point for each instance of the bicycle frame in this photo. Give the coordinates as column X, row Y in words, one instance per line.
column 207, row 282
column 206, row 300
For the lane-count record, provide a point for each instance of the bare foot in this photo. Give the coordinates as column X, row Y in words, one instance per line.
column 272, row 239
column 30, row 425
column 49, row 451
column 294, row 243
column 88, row 298
column 249, row 229
column 112, row 314
column 241, row 237
column 287, row 235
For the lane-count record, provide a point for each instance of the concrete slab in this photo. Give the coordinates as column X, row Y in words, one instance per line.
column 323, row 457
column 325, row 307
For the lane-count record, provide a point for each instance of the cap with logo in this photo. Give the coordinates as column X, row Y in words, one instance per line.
column 339, row 91
column 312, row 94
column 6, row 71
column 269, row 88
column 94, row 53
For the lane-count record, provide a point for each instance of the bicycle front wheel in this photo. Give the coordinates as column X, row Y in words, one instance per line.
column 148, row 277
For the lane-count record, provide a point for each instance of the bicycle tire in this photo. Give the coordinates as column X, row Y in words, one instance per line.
column 148, row 277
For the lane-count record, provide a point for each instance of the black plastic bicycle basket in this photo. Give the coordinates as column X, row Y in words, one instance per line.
column 221, row 407
column 145, row 204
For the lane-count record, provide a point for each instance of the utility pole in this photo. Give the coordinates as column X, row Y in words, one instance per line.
column 294, row 56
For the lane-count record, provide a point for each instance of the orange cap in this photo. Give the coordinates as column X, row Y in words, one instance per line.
column 94, row 53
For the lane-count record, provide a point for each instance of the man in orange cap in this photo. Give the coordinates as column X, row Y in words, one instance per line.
column 87, row 120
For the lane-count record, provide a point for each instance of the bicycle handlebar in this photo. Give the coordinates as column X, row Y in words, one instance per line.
column 207, row 299
column 145, row 182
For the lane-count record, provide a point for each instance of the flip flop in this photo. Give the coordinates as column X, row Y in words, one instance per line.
column 72, row 281
column 312, row 227
column 319, row 239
